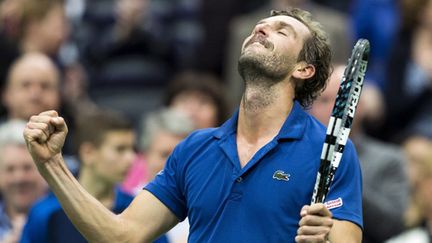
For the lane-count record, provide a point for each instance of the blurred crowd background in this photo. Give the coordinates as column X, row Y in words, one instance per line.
column 169, row 67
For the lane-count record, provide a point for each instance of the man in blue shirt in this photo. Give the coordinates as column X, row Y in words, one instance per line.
column 250, row 180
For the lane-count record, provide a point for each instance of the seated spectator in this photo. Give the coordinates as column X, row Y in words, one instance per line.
column 31, row 26
column 42, row 27
column 419, row 152
column 128, row 65
column 33, row 86
column 9, row 23
column 408, row 91
column 162, row 131
column 20, row 182
column 105, row 148
column 385, row 183
column 377, row 21
column 200, row 96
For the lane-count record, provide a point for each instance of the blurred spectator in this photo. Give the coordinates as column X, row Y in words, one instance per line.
column 419, row 152
column 9, row 23
column 20, row 182
column 408, row 94
column 385, row 184
column 200, row 96
column 377, row 21
column 180, row 23
column 105, row 144
column 32, row 86
column 334, row 23
column 122, row 51
column 44, row 26
column 32, row 26
column 127, row 62
column 162, row 131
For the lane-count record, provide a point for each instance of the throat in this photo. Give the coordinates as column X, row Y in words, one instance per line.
column 258, row 98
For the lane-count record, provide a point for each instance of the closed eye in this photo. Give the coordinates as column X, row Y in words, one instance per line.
column 282, row 33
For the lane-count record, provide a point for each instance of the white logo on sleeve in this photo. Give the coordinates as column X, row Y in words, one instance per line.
column 334, row 203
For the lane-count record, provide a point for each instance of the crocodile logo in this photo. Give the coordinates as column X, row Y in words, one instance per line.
column 280, row 175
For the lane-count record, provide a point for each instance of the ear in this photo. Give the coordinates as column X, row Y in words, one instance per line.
column 87, row 152
column 303, row 71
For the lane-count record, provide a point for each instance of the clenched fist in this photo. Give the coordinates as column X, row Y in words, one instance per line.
column 45, row 135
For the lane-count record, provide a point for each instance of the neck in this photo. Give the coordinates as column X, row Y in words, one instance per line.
column 13, row 212
column 97, row 187
column 263, row 110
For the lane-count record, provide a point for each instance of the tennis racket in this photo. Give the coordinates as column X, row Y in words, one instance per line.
column 341, row 119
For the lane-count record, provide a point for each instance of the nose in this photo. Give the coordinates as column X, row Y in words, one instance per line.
column 262, row 29
column 35, row 90
column 20, row 175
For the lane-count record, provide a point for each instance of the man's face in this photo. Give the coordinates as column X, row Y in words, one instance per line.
column 162, row 145
column 273, row 47
column 20, row 182
column 33, row 87
column 114, row 156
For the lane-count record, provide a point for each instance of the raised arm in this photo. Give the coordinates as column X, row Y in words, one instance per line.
column 142, row 221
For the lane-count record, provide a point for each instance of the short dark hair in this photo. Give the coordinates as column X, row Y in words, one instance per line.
column 93, row 127
column 316, row 51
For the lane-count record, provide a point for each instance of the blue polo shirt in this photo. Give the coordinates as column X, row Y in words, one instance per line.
column 260, row 202
column 48, row 223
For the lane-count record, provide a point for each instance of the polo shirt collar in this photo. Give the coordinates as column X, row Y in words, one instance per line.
column 293, row 127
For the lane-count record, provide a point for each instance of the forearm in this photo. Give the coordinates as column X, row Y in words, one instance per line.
column 95, row 222
column 345, row 232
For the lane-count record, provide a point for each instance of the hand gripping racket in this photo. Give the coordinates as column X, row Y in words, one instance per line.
column 341, row 119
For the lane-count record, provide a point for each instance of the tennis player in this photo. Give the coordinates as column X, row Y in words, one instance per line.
column 251, row 179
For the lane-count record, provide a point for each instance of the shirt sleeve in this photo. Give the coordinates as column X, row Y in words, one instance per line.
column 345, row 195
column 167, row 186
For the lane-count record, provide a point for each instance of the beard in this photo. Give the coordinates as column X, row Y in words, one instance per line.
column 264, row 69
